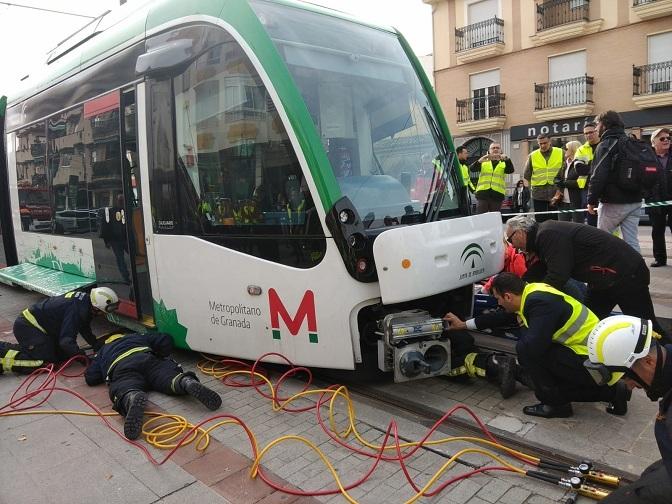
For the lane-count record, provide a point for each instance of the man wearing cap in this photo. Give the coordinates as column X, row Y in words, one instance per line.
column 661, row 217
column 625, row 348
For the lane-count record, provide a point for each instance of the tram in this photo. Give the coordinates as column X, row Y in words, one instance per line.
column 250, row 176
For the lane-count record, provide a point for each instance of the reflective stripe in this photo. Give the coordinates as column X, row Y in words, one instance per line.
column 581, row 182
column 543, row 171
column 123, row 356
column 30, row 318
column 492, row 178
column 113, row 337
column 175, row 380
column 574, row 333
column 599, row 345
column 472, row 369
column 575, row 326
column 8, row 360
column 69, row 294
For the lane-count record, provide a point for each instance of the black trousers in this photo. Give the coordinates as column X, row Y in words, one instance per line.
column 631, row 294
column 543, row 206
column 560, row 378
column 35, row 344
column 653, row 487
column 20, row 362
column 661, row 218
column 145, row 371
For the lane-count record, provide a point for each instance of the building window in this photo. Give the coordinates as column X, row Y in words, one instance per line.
column 485, row 94
column 660, row 62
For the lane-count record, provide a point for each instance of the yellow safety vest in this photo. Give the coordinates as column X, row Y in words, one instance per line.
column 466, row 179
column 492, row 178
column 585, row 154
column 543, row 172
column 574, row 333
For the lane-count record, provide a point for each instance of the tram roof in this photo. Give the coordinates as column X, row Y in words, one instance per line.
column 128, row 25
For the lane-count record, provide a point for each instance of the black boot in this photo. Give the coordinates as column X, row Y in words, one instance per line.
column 619, row 404
column 504, row 368
column 209, row 398
column 548, row 411
column 134, row 403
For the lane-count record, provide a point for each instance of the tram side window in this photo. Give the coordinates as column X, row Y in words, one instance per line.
column 31, row 178
column 69, row 173
column 240, row 181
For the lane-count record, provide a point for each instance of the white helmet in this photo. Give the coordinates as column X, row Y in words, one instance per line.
column 105, row 299
column 616, row 343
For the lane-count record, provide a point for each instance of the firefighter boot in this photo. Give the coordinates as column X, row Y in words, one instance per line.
column 209, row 398
column 504, row 367
column 134, row 403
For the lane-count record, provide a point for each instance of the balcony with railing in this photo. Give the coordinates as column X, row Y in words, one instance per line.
column 563, row 19
column 649, row 9
column 652, row 84
column 482, row 113
column 564, row 98
column 479, row 40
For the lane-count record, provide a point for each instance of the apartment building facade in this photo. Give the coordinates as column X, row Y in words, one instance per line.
column 507, row 70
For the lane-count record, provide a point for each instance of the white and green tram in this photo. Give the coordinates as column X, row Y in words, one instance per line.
column 249, row 176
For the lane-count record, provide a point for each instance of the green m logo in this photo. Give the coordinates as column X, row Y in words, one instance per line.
column 470, row 253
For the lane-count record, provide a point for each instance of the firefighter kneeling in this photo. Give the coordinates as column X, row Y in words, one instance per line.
column 133, row 364
column 627, row 349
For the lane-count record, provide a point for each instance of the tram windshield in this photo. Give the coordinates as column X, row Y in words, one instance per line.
column 376, row 123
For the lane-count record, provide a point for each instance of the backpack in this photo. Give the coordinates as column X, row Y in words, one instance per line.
column 634, row 165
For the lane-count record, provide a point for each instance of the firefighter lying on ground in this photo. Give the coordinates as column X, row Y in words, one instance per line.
column 47, row 331
column 133, row 364
column 553, row 348
column 627, row 349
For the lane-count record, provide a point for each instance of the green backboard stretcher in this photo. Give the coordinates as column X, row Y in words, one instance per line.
column 46, row 281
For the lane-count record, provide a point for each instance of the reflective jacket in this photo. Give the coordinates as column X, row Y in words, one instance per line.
column 61, row 318
column 492, row 178
column 119, row 347
column 583, row 157
column 544, row 172
column 572, row 325
column 466, row 179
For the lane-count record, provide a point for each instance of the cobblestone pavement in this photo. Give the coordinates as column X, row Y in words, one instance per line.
column 68, row 459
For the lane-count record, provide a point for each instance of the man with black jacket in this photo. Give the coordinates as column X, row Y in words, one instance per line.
column 132, row 364
column 661, row 217
column 552, row 349
column 620, row 208
column 614, row 272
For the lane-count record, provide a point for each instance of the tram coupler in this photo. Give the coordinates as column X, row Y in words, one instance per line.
column 411, row 344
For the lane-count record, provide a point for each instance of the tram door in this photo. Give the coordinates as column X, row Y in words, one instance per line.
column 119, row 245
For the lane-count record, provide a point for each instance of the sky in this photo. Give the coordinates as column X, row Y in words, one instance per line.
column 27, row 35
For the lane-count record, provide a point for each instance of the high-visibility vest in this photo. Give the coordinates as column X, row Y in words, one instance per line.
column 574, row 333
column 543, row 172
column 585, row 155
column 466, row 179
column 492, row 178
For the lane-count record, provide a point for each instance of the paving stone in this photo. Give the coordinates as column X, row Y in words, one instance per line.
column 196, row 492
column 239, row 488
column 494, row 489
column 515, row 495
